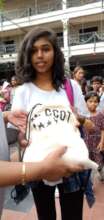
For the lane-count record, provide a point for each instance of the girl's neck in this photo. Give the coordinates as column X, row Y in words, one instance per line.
column 93, row 113
column 44, row 82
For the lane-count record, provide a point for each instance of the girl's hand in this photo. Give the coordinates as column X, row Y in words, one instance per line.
column 17, row 118
column 54, row 167
column 100, row 146
column 22, row 140
column 88, row 125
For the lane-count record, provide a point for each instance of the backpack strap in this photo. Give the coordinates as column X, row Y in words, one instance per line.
column 69, row 91
column 81, row 181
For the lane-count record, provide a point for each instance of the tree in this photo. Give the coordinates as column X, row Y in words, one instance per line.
column 2, row 4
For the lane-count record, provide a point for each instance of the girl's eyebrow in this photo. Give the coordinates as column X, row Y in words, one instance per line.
column 43, row 45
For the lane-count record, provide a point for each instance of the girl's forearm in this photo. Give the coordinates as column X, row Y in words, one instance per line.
column 102, row 136
column 5, row 116
column 12, row 172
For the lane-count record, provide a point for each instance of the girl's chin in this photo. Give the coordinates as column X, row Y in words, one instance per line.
column 43, row 71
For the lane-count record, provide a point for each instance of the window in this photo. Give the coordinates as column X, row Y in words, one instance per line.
column 86, row 34
column 9, row 46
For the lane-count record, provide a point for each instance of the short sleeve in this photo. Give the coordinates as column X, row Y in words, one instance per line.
column 79, row 102
column 19, row 99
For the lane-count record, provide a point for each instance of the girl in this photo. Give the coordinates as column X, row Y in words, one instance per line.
column 40, row 68
column 95, row 138
column 78, row 74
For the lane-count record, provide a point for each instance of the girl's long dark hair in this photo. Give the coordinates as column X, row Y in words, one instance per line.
column 24, row 69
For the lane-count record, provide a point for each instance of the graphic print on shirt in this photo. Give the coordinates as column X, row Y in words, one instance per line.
column 41, row 117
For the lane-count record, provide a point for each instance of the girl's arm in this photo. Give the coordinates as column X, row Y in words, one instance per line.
column 52, row 168
column 17, row 118
column 101, row 143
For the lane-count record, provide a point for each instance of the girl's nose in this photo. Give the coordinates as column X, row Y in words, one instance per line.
column 40, row 54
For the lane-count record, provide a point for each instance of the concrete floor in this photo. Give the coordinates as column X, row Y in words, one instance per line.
column 26, row 209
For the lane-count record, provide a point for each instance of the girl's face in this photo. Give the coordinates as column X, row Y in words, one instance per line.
column 79, row 75
column 13, row 82
column 96, row 86
column 92, row 103
column 43, row 56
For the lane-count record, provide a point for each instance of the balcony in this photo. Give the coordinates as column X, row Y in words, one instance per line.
column 12, row 48
column 80, row 44
column 31, row 10
column 80, row 39
column 76, row 3
column 37, row 14
column 7, row 49
column 86, row 38
column 42, row 8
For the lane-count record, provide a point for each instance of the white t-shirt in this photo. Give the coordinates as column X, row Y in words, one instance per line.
column 27, row 95
column 52, row 123
column 101, row 104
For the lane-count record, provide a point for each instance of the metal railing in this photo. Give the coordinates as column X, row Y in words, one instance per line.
column 71, row 3
column 60, row 41
column 86, row 38
column 31, row 10
column 40, row 9
column 80, row 39
column 13, row 48
column 7, row 48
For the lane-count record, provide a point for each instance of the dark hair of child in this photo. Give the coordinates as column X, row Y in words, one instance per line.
column 92, row 94
column 97, row 79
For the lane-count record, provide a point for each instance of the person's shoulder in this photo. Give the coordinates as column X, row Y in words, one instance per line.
column 102, row 97
column 75, row 85
column 100, row 115
column 74, row 82
column 23, row 87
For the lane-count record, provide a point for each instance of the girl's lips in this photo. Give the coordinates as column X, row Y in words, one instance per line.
column 41, row 64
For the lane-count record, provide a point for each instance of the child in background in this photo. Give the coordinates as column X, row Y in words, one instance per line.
column 96, row 83
column 4, row 95
column 14, row 84
column 95, row 138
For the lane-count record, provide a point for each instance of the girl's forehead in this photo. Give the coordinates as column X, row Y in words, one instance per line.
column 42, row 41
column 94, row 98
column 96, row 82
column 81, row 70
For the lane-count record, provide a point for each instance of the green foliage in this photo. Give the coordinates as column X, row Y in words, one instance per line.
column 2, row 3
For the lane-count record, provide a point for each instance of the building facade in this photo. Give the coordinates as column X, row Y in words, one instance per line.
column 79, row 25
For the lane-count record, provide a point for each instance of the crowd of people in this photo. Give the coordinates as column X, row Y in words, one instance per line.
column 94, row 98
column 39, row 80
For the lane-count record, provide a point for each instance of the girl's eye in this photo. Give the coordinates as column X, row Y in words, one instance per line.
column 46, row 49
column 34, row 50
